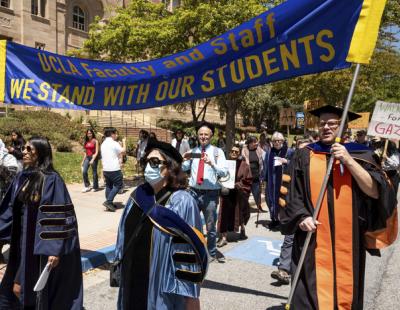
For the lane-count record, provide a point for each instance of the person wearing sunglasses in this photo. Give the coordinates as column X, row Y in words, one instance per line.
column 234, row 212
column 160, row 249
column 44, row 232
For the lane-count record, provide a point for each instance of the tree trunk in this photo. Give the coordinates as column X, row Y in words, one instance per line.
column 193, row 105
column 231, row 109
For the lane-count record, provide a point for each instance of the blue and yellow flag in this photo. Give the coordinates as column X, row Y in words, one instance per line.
column 296, row 38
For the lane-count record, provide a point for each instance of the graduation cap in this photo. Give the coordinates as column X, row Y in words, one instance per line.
column 166, row 148
column 206, row 124
column 333, row 110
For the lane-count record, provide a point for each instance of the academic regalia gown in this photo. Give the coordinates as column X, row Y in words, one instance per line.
column 273, row 178
column 332, row 276
column 48, row 228
column 157, row 267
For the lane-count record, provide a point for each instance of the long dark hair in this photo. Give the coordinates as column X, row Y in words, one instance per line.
column 32, row 189
column 176, row 178
column 18, row 133
column 44, row 153
column 20, row 141
column 86, row 136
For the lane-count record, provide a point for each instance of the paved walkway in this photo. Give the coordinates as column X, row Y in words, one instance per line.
column 97, row 227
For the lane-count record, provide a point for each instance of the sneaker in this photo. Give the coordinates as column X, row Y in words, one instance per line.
column 109, row 206
column 282, row 276
column 219, row 257
column 86, row 189
column 222, row 243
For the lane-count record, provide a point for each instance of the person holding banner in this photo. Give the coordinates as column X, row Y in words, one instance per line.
column 44, row 232
column 358, row 214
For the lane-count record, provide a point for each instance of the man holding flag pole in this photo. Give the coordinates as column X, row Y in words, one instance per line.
column 340, row 204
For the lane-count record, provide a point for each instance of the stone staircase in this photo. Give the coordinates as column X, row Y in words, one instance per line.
column 129, row 127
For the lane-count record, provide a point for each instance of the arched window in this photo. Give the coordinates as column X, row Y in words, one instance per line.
column 5, row 3
column 78, row 18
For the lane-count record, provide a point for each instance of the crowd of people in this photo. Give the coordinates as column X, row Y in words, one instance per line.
column 162, row 253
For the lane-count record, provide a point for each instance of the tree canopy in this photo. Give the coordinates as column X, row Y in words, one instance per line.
column 144, row 30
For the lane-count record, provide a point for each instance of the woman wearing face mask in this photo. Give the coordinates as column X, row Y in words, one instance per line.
column 160, row 251
column 43, row 232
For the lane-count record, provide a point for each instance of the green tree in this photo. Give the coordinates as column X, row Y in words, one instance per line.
column 378, row 80
column 144, row 30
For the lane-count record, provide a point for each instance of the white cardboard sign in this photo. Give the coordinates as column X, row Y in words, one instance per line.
column 385, row 121
column 229, row 182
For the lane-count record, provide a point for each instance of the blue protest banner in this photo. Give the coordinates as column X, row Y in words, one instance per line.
column 295, row 38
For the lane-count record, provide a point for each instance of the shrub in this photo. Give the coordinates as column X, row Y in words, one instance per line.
column 130, row 146
column 57, row 128
column 64, row 146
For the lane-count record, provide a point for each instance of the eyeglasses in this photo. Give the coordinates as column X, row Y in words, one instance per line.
column 155, row 162
column 331, row 124
column 277, row 141
column 27, row 148
column 235, row 151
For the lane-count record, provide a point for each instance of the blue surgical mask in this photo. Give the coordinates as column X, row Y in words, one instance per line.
column 152, row 175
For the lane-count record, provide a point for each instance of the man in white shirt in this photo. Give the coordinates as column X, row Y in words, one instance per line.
column 207, row 163
column 181, row 144
column 111, row 152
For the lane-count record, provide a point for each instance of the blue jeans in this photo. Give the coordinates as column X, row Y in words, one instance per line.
column 114, row 182
column 86, row 165
column 256, row 191
column 285, row 259
column 207, row 202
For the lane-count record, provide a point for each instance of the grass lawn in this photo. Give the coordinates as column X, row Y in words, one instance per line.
column 69, row 166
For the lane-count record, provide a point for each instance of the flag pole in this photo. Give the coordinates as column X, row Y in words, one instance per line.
column 323, row 187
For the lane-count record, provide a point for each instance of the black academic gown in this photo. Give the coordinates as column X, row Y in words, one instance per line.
column 48, row 228
column 333, row 271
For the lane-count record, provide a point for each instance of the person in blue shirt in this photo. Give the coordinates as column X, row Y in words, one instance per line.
column 207, row 164
column 160, row 248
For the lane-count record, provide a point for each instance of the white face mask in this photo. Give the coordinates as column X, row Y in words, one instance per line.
column 152, row 175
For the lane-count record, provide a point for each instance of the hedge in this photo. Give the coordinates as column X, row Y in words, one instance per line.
column 59, row 129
